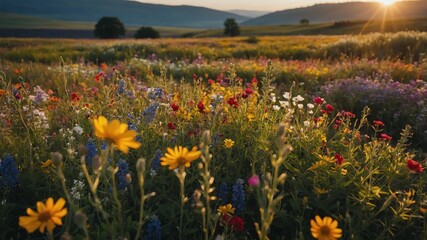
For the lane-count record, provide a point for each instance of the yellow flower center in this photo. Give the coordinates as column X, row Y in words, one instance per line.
column 325, row 230
column 44, row 217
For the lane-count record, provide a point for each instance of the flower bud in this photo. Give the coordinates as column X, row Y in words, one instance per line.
column 82, row 150
column 253, row 181
column 56, row 159
column 80, row 219
column 140, row 165
column 206, row 138
column 128, row 178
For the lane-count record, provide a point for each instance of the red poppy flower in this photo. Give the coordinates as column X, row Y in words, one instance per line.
column 414, row 166
column 201, row 107
column 174, row 106
column 254, row 81
column 318, row 100
column 328, row 109
column 339, row 159
column 99, row 76
column 249, row 91
column 378, row 123
column 385, row 136
column 236, row 223
column 349, row 114
column 75, row 97
column 233, row 102
column 171, row 126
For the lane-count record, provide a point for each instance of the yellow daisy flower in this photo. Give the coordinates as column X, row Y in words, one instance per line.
column 228, row 143
column 179, row 156
column 48, row 215
column 116, row 133
column 226, row 209
column 325, row 229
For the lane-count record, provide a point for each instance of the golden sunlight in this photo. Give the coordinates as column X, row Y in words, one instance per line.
column 387, row 2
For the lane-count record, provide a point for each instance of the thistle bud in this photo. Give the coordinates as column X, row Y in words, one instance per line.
column 128, row 178
column 206, row 138
column 82, row 150
column 80, row 219
column 140, row 165
column 56, row 159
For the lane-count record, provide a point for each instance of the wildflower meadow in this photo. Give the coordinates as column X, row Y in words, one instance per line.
column 282, row 138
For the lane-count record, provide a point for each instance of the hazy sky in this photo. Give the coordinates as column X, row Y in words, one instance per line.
column 262, row 5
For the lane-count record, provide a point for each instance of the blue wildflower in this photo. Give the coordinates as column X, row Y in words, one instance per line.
column 155, row 93
column 122, row 87
column 121, row 173
column 155, row 161
column 8, row 172
column 223, row 192
column 104, row 145
column 91, row 151
column 238, row 199
column 130, row 94
column 152, row 232
column 150, row 112
column 132, row 126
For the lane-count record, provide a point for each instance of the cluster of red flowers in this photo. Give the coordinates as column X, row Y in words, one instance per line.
column 201, row 107
column 98, row 77
column 233, row 102
column 75, row 97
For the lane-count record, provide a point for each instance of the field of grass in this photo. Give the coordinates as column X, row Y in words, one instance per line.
column 214, row 138
column 26, row 23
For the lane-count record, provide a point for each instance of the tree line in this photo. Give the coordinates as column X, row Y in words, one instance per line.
column 112, row 27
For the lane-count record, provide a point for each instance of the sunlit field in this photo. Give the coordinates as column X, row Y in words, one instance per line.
column 218, row 138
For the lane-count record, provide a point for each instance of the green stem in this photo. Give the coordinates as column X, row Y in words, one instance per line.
column 97, row 203
column 114, row 188
column 181, row 176
column 142, row 200
column 30, row 143
column 49, row 235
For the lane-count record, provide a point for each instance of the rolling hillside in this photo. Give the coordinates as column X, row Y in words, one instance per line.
column 131, row 13
column 320, row 13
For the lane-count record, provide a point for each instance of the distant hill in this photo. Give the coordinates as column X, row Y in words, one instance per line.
column 248, row 13
column 343, row 12
column 131, row 13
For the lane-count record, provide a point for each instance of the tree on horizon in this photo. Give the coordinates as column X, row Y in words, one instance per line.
column 231, row 27
column 109, row 28
column 147, row 32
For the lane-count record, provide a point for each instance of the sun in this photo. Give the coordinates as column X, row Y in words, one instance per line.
column 387, row 2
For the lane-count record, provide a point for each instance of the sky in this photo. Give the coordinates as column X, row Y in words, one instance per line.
column 261, row 5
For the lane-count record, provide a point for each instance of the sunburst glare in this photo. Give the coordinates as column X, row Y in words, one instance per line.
column 387, row 2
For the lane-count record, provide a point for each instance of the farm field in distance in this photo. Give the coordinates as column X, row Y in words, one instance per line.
column 214, row 138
